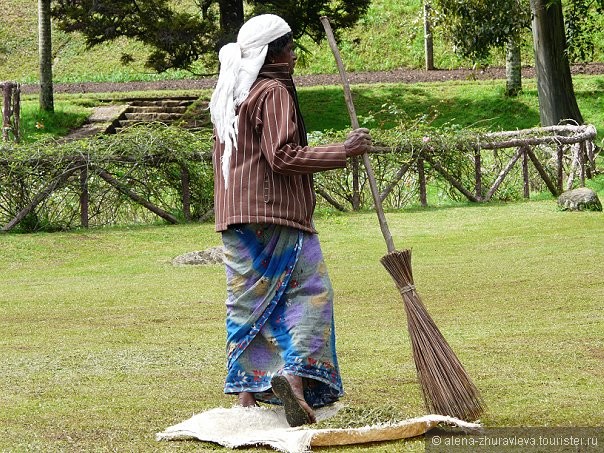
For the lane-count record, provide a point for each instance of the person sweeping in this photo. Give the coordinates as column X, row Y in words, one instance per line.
column 279, row 306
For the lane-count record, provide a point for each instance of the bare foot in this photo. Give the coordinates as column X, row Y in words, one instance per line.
column 290, row 390
column 247, row 399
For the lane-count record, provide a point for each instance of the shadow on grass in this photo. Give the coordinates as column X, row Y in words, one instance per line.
column 384, row 106
column 36, row 125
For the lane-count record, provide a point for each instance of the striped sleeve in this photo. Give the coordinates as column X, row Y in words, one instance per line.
column 279, row 139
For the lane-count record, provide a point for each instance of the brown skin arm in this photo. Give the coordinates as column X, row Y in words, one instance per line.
column 358, row 142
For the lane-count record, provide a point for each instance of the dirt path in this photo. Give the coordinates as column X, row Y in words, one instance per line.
column 395, row 76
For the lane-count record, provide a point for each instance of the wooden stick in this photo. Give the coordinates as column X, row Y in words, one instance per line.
column 560, row 168
column 185, row 179
column 525, row 174
column 355, row 125
column 17, row 113
column 53, row 185
column 502, row 174
column 332, row 201
column 399, row 175
column 7, row 90
column 454, row 182
column 421, row 174
column 477, row 173
column 84, row 198
column 134, row 196
column 548, row 182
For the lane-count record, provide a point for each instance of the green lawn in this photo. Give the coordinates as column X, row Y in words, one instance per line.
column 104, row 343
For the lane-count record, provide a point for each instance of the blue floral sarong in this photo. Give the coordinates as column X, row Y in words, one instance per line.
column 279, row 313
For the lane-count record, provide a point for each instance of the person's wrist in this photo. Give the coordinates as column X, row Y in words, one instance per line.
column 354, row 152
column 347, row 149
column 350, row 151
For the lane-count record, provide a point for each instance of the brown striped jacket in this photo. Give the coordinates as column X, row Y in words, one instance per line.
column 270, row 175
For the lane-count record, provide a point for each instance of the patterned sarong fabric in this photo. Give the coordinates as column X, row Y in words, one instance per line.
column 279, row 312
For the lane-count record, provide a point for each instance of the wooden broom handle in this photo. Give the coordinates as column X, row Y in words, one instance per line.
column 355, row 125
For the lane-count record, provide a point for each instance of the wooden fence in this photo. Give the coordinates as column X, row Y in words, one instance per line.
column 572, row 149
column 560, row 156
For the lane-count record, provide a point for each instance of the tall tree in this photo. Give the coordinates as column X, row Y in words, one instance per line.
column 231, row 17
column 45, row 56
column 582, row 24
column 474, row 27
column 513, row 66
column 428, row 40
column 557, row 100
column 180, row 38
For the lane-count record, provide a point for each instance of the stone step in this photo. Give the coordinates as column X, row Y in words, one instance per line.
column 153, row 116
column 156, row 109
column 129, row 123
column 145, row 110
column 163, row 102
column 126, row 123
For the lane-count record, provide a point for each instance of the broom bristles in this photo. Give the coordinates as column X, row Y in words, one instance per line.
column 446, row 386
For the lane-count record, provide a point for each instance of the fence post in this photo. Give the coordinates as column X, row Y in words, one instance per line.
column 11, row 92
column 84, row 197
column 17, row 112
column 560, row 162
column 185, row 178
column 356, row 191
column 582, row 159
column 525, row 173
column 478, row 173
column 6, row 109
column 423, row 196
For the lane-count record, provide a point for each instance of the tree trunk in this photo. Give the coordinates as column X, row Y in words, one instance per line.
column 45, row 56
column 557, row 100
column 513, row 68
column 428, row 41
column 231, row 18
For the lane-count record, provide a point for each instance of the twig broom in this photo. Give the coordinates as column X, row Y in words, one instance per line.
column 446, row 387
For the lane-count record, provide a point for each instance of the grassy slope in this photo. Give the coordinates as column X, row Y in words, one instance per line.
column 389, row 37
column 371, row 45
column 105, row 343
column 72, row 61
column 469, row 104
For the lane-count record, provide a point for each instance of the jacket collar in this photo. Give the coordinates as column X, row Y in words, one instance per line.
column 280, row 72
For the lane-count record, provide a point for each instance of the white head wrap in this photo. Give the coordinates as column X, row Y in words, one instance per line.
column 240, row 63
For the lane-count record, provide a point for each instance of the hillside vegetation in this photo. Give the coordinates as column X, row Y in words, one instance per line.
column 389, row 37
